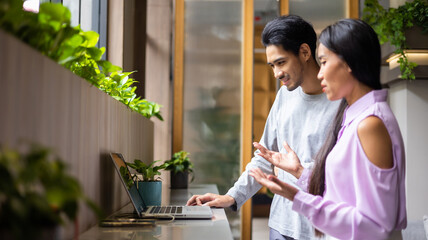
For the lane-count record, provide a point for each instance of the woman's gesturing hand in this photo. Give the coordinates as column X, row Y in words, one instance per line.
column 274, row 184
column 288, row 162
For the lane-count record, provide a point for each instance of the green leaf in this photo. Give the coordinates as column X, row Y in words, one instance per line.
column 91, row 39
column 56, row 11
column 74, row 41
column 108, row 67
column 95, row 53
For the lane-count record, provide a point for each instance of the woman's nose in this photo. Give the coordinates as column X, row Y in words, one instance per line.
column 320, row 75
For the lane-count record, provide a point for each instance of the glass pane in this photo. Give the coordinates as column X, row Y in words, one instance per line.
column 74, row 7
column 212, row 92
column 319, row 13
column 265, row 84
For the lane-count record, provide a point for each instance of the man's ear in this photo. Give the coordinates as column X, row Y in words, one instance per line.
column 305, row 52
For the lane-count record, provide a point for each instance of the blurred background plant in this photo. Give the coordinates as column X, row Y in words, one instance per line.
column 180, row 162
column 180, row 168
column 50, row 32
column 36, row 193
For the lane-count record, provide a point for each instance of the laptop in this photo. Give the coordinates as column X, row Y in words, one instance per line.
column 144, row 211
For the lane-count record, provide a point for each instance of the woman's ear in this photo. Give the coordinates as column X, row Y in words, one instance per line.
column 305, row 52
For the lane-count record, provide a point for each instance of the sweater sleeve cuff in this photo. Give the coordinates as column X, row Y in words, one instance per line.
column 238, row 202
column 234, row 207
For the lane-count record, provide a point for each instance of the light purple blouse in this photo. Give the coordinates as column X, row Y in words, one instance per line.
column 361, row 201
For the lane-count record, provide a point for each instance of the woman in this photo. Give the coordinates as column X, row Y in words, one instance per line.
column 357, row 187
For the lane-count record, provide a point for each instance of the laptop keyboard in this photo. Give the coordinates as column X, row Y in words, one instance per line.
column 166, row 210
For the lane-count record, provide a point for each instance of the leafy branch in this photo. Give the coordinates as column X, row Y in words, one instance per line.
column 390, row 25
column 51, row 33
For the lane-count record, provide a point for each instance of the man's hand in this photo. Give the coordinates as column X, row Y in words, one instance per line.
column 211, row 200
column 288, row 162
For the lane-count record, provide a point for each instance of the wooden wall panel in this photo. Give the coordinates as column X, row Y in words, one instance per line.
column 158, row 85
column 45, row 103
column 115, row 31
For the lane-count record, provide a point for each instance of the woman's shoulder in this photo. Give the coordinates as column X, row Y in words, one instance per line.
column 375, row 141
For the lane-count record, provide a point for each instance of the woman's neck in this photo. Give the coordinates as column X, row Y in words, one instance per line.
column 358, row 92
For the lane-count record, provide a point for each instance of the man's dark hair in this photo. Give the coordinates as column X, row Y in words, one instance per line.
column 290, row 32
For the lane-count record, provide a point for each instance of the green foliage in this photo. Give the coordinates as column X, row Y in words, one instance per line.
column 36, row 192
column 390, row 25
column 126, row 177
column 148, row 172
column 179, row 162
column 51, row 33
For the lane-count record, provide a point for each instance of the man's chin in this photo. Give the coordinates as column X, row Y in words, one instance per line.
column 291, row 87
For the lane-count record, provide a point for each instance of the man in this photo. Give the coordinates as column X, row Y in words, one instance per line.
column 300, row 116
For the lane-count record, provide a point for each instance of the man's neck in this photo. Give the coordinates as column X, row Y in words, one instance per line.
column 311, row 84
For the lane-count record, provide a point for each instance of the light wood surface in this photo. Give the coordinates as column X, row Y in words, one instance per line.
column 352, row 9
column 177, row 128
column 158, row 86
column 284, row 7
column 247, row 106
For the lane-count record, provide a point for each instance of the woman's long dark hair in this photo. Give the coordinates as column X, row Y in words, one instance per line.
column 356, row 43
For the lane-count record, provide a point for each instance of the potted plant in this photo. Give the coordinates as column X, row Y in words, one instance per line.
column 391, row 25
column 36, row 194
column 180, row 167
column 148, row 181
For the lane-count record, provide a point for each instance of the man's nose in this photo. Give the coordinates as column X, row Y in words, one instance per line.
column 278, row 74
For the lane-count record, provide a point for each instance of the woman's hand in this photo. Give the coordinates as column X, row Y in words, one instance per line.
column 288, row 162
column 274, row 184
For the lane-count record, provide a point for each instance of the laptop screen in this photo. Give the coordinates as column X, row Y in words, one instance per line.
column 128, row 182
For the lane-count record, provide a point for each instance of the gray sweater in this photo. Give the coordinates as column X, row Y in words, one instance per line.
column 302, row 120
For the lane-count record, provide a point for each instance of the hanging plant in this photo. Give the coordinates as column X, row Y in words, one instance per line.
column 391, row 24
